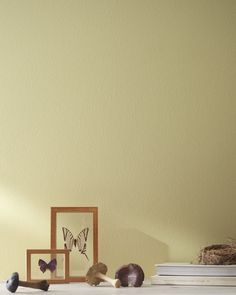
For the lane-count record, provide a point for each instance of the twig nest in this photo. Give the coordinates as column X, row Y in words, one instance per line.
column 218, row 254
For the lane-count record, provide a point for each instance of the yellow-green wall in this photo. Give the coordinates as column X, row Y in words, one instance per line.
column 128, row 105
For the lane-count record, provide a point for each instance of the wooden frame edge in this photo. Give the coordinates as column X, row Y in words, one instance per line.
column 29, row 252
column 94, row 210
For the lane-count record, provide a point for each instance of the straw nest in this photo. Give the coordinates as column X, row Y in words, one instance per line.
column 218, row 254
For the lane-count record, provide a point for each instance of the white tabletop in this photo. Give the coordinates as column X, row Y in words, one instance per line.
column 104, row 289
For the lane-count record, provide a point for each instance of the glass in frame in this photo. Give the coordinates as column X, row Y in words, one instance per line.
column 76, row 229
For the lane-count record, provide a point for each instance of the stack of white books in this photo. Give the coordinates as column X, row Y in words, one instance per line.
column 194, row 274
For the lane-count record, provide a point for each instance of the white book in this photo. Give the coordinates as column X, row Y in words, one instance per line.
column 193, row 280
column 188, row 269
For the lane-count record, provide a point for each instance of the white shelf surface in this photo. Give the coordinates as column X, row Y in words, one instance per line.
column 105, row 289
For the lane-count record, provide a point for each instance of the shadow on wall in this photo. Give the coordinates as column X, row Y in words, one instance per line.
column 133, row 246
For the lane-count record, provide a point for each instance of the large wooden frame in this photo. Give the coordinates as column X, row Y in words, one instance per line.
column 56, row 277
column 76, row 229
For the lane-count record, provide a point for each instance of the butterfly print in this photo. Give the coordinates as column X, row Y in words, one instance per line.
column 80, row 241
column 52, row 265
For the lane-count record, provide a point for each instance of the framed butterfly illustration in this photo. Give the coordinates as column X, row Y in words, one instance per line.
column 76, row 229
column 79, row 242
column 51, row 266
column 48, row 264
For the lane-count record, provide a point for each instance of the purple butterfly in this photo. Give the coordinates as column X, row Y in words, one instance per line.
column 50, row 266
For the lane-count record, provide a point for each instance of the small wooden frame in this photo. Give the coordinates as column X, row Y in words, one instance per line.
column 57, row 276
column 76, row 229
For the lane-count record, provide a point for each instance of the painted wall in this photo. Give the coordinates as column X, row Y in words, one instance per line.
column 126, row 105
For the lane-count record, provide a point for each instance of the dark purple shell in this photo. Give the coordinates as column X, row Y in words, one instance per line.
column 130, row 275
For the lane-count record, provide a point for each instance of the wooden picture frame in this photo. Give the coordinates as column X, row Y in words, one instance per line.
column 76, row 229
column 57, row 273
